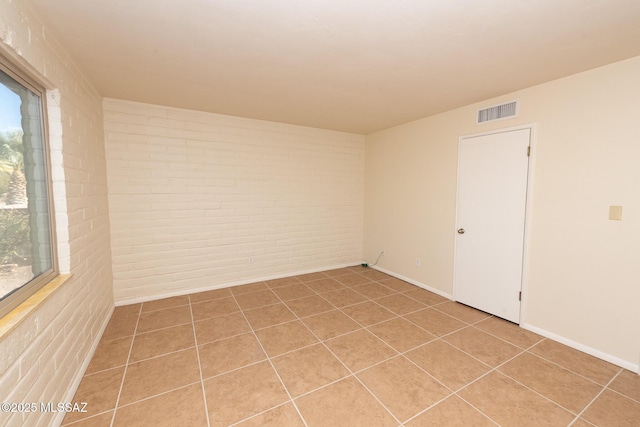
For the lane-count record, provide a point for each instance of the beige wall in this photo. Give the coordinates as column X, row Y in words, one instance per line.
column 200, row 200
column 42, row 359
column 583, row 270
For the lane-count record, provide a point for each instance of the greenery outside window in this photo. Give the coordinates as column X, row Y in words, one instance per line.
column 27, row 249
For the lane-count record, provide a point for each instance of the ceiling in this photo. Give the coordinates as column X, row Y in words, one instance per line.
column 349, row 65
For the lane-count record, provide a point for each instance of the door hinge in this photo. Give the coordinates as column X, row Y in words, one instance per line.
column 528, row 151
column 520, row 296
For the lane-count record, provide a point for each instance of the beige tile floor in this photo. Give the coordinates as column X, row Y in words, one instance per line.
column 347, row 347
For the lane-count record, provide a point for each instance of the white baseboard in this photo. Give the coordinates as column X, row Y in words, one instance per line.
column 585, row 349
column 180, row 292
column 415, row 282
column 83, row 368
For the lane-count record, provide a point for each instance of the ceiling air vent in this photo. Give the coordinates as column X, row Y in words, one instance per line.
column 498, row 112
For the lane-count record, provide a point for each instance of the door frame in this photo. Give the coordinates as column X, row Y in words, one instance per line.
column 528, row 208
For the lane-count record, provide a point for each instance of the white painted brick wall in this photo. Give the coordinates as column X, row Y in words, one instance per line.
column 42, row 359
column 195, row 196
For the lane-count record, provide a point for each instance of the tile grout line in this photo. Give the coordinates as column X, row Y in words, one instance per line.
column 495, row 369
column 195, row 339
column 225, row 338
column 470, row 323
column 409, row 349
column 235, row 423
column 82, row 420
column 422, row 302
column 164, row 328
column 401, row 314
column 164, row 308
column 604, row 388
column 363, row 326
column 298, row 318
column 320, row 341
column 504, row 340
column 437, row 336
column 162, row 393
column 271, row 362
column 401, row 354
column 157, row 356
column 619, row 393
column 126, row 366
column 521, row 349
column 141, row 360
column 528, row 351
column 354, row 375
column 564, row 367
column 367, row 299
column 453, row 394
column 492, row 369
column 459, row 349
column 351, row 287
column 466, row 326
column 535, row 391
column 236, row 369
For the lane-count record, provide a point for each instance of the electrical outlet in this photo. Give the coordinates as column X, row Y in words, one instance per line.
column 417, row 262
column 250, row 260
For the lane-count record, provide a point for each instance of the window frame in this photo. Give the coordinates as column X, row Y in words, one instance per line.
column 21, row 294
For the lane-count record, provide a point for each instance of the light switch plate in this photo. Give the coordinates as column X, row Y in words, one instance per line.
column 615, row 213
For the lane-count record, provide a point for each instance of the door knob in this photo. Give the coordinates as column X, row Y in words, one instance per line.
column 460, row 230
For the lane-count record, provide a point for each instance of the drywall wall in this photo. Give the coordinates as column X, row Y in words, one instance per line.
column 582, row 269
column 42, row 359
column 200, row 200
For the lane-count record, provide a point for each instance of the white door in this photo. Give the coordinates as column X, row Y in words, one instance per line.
column 490, row 221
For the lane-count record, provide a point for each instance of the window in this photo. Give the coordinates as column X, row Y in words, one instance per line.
column 27, row 249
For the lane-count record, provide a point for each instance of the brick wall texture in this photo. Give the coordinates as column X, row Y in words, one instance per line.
column 199, row 200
